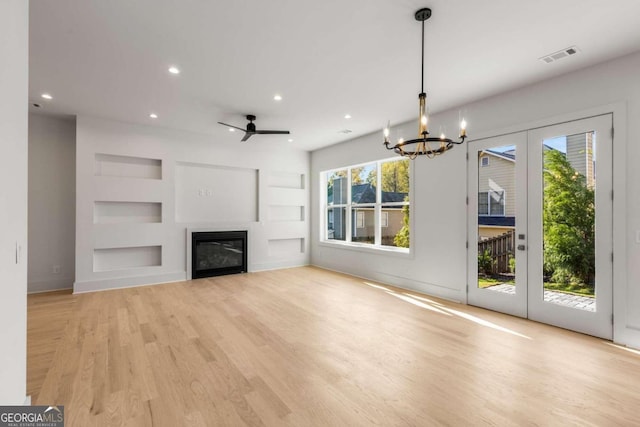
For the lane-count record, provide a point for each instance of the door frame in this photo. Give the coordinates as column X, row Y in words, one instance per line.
column 598, row 323
column 622, row 333
column 513, row 304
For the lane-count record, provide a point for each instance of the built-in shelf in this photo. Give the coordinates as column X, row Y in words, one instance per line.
column 286, row 180
column 285, row 247
column 286, row 213
column 128, row 167
column 127, row 212
column 112, row 259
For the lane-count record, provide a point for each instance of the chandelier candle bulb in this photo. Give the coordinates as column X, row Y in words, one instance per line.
column 463, row 128
column 385, row 132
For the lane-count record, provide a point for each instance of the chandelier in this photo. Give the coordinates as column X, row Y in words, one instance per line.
column 424, row 144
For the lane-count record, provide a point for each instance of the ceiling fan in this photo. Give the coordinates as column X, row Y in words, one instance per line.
column 251, row 129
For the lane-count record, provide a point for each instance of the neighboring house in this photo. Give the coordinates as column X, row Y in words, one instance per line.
column 363, row 220
column 496, row 183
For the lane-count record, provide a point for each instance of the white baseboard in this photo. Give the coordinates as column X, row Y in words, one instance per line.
column 404, row 283
column 27, row 401
column 37, row 286
column 127, row 282
column 277, row 265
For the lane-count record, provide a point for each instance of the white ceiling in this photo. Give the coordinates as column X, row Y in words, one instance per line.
column 326, row 58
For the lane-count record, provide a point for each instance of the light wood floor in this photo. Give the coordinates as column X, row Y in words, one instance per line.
column 308, row 347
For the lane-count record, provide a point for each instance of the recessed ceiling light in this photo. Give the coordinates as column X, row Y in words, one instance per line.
column 174, row 70
column 153, row 115
column 290, row 140
column 347, row 116
column 47, row 96
column 277, row 97
column 232, row 130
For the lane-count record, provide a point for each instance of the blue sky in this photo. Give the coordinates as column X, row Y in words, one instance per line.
column 559, row 143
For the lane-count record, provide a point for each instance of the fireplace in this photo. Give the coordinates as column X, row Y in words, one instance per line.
column 217, row 253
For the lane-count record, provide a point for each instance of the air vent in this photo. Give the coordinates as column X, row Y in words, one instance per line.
column 561, row 54
column 345, row 131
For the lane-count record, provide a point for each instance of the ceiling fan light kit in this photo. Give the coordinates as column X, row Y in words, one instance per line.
column 251, row 129
column 424, row 145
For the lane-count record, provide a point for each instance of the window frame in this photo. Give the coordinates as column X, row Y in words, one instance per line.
column 489, row 204
column 350, row 206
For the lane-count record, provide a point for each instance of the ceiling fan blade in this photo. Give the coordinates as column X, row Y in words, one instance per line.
column 247, row 135
column 231, row 126
column 272, row 132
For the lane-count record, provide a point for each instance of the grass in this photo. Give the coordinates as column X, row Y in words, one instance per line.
column 485, row 282
column 568, row 288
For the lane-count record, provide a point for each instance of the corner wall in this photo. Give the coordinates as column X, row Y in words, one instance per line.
column 439, row 186
column 52, row 203
column 141, row 188
column 14, row 74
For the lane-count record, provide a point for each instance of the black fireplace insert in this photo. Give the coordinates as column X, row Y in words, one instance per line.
column 214, row 253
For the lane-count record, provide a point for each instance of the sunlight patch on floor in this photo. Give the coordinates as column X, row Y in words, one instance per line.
column 440, row 308
column 418, row 303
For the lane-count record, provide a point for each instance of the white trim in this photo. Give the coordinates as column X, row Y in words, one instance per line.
column 127, row 282
column 428, row 289
column 350, row 207
column 622, row 333
column 368, row 247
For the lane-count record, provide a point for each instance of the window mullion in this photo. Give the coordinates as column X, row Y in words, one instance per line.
column 348, row 210
column 378, row 207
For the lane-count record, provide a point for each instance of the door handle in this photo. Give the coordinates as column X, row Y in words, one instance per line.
column 522, row 247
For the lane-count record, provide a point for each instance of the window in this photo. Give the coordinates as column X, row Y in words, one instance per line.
column 360, row 219
column 368, row 204
column 491, row 203
column 484, row 161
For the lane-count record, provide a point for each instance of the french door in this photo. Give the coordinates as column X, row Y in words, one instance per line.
column 540, row 225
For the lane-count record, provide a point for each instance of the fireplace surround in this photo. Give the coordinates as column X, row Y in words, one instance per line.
column 215, row 253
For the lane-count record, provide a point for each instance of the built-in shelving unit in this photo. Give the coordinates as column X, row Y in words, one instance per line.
column 122, row 207
column 127, row 166
column 126, row 212
column 286, row 214
column 113, row 259
column 285, row 247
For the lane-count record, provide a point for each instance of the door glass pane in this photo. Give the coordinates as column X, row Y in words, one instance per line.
column 568, row 220
column 496, row 219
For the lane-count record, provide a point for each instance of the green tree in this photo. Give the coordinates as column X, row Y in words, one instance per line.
column 569, row 222
column 401, row 239
column 395, row 176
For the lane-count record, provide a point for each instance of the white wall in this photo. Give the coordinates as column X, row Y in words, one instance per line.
column 52, row 203
column 14, row 72
column 194, row 178
column 439, row 231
